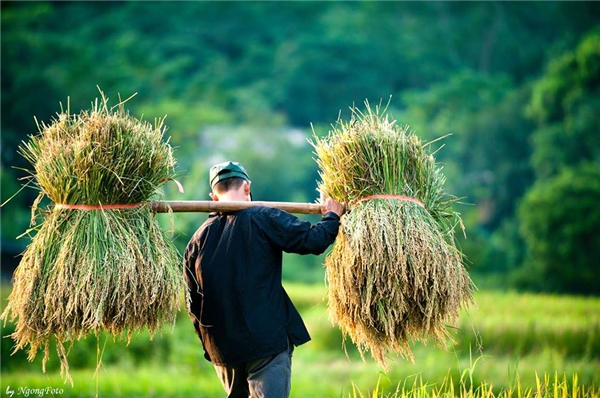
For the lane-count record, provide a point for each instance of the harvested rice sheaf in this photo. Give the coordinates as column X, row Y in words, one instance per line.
column 394, row 274
column 106, row 266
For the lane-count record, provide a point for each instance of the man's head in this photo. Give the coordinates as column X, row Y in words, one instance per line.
column 229, row 181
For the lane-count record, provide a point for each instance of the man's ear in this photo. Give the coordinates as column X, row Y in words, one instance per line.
column 214, row 197
column 247, row 187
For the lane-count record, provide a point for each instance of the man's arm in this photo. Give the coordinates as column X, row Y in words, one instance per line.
column 296, row 236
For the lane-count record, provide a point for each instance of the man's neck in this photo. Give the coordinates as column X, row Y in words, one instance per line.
column 232, row 197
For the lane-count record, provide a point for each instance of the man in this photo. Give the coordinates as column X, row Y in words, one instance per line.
column 246, row 322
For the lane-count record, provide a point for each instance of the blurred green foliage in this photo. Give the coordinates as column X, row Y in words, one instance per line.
column 515, row 83
column 563, row 241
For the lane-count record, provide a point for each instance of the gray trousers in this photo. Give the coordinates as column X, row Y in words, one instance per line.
column 269, row 377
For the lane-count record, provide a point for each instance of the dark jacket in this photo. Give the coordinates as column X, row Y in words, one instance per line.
column 232, row 266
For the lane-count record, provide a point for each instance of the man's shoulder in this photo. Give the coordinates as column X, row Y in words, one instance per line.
column 262, row 209
column 203, row 227
column 266, row 211
column 269, row 217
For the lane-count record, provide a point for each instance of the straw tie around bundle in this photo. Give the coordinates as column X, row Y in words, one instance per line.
column 390, row 197
column 394, row 273
column 97, row 207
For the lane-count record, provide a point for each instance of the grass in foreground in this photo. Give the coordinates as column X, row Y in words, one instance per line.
column 546, row 386
column 172, row 382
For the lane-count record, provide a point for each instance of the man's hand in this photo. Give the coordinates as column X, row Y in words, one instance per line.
column 332, row 205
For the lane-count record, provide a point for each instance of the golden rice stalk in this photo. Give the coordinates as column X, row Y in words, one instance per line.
column 92, row 270
column 394, row 274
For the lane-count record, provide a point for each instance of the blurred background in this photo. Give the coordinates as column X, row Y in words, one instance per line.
column 516, row 84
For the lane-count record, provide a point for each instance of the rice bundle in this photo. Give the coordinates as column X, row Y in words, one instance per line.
column 394, row 273
column 99, row 260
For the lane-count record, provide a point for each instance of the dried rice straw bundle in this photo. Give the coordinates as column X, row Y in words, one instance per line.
column 394, row 273
column 99, row 260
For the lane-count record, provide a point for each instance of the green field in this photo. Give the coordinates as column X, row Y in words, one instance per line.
column 502, row 345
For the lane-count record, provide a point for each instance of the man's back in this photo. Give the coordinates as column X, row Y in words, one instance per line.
column 234, row 273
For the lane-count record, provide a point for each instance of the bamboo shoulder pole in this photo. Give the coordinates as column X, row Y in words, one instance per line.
column 207, row 206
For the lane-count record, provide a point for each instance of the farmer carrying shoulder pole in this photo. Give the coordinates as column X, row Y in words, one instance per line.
column 246, row 322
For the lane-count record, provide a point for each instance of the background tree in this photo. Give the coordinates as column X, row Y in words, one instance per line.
column 559, row 216
column 564, row 104
column 559, row 221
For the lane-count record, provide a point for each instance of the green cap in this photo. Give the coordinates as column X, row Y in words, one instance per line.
column 222, row 171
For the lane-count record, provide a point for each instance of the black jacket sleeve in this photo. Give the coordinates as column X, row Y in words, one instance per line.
column 293, row 235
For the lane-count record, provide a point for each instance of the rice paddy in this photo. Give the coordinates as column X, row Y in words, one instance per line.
column 522, row 335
